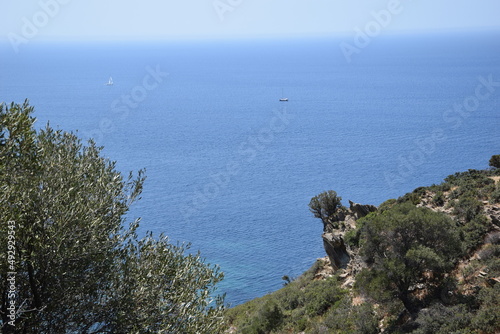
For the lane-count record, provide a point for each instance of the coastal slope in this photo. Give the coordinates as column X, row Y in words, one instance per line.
column 427, row 262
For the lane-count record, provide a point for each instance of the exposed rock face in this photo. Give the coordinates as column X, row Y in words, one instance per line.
column 330, row 224
column 360, row 210
column 493, row 212
column 336, row 250
column 334, row 231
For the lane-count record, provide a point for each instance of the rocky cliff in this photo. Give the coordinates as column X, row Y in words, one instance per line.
column 386, row 271
column 344, row 260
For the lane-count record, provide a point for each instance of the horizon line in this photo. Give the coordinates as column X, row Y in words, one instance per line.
column 225, row 37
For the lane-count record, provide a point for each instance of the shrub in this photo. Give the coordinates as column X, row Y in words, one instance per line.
column 321, row 295
column 438, row 199
column 473, row 232
column 445, row 186
column 374, row 284
column 351, row 319
column 495, row 161
column 337, row 318
column 414, row 197
column 387, row 204
column 495, row 195
column 485, row 192
column 470, row 176
column 467, row 208
column 352, row 237
column 290, row 297
column 439, row 319
column 493, row 265
column 319, row 328
column 269, row 317
column 489, row 251
column 487, row 318
column 301, row 324
column 364, row 319
column 493, row 238
column 299, row 319
column 404, row 243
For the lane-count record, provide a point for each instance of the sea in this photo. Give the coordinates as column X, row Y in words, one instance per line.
column 231, row 169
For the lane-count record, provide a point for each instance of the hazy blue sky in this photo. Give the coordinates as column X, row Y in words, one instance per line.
column 104, row 19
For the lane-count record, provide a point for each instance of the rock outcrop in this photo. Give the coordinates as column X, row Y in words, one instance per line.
column 336, row 250
column 360, row 210
column 333, row 237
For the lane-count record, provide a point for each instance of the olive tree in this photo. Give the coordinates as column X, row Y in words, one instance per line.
column 77, row 264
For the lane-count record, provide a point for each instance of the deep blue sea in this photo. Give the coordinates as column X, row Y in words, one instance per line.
column 230, row 168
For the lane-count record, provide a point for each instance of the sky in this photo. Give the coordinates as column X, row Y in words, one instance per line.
column 166, row 19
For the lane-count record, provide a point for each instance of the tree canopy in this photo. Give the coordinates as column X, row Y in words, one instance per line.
column 326, row 205
column 495, row 161
column 78, row 265
column 407, row 244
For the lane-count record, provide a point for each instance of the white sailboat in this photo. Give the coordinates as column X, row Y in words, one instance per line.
column 283, row 99
column 110, row 82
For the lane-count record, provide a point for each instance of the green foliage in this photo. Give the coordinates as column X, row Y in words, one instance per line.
column 462, row 318
column 409, row 255
column 326, row 205
column 165, row 289
column 80, row 267
column 321, row 295
column 269, row 317
column 387, row 205
column 302, row 304
column 495, row 161
column 487, row 318
column 438, row 199
column 477, row 177
column 374, row 284
column 445, row 186
column 473, row 183
column 439, row 319
column 495, row 195
column 440, row 187
column 473, row 232
column 352, row 237
column 489, row 251
column 290, row 297
column 405, row 242
column 414, row 197
column 351, row 319
column 467, row 208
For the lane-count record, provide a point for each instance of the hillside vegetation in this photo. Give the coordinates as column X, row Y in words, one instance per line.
column 427, row 262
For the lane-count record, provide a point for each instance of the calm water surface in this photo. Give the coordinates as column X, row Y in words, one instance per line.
column 230, row 168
